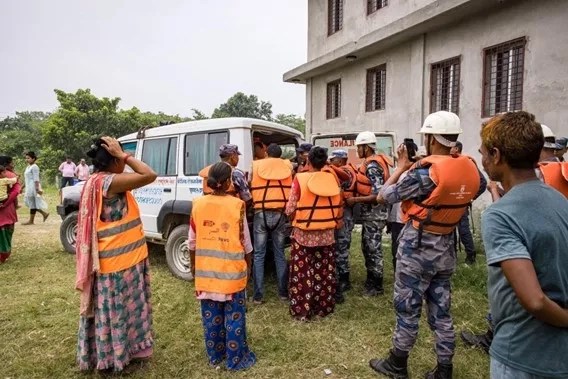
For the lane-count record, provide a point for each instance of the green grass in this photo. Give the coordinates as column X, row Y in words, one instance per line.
column 39, row 318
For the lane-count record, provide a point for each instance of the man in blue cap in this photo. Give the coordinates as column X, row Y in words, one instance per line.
column 230, row 154
column 561, row 148
column 300, row 161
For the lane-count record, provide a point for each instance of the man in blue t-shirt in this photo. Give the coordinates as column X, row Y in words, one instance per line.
column 528, row 265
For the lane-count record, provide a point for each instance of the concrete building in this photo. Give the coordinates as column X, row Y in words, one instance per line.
column 383, row 65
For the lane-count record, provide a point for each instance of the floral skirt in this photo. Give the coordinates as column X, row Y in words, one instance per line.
column 312, row 283
column 122, row 327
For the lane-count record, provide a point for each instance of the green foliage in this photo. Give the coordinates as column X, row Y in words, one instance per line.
column 292, row 120
column 241, row 105
column 21, row 133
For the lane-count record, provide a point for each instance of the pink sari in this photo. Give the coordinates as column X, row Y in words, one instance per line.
column 87, row 252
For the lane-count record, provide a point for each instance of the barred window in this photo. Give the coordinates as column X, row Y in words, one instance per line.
column 334, row 16
column 445, row 86
column 376, row 88
column 375, row 5
column 334, row 99
column 503, row 77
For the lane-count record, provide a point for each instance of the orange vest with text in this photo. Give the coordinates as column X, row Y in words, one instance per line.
column 351, row 188
column 457, row 182
column 555, row 174
column 220, row 264
column 364, row 186
column 121, row 243
column 204, row 174
column 271, row 183
column 319, row 206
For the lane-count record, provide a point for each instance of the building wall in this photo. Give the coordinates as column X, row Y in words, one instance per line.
column 356, row 22
column 545, row 91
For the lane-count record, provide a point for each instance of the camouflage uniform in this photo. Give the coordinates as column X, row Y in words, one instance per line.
column 241, row 185
column 343, row 238
column 423, row 272
column 373, row 218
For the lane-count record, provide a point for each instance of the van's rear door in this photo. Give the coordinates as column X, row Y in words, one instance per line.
column 346, row 141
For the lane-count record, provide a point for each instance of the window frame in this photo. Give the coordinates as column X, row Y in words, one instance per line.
column 207, row 133
column 520, row 42
column 374, row 6
column 328, row 101
column 369, row 104
column 169, row 138
column 455, row 85
column 332, row 23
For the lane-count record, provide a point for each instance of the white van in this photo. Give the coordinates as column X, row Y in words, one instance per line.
column 177, row 153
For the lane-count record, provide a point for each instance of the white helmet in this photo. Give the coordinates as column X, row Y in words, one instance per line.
column 441, row 122
column 366, row 138
column 548, row 133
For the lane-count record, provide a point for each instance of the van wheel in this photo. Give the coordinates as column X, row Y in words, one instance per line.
column 177, row 253
column 68, row 232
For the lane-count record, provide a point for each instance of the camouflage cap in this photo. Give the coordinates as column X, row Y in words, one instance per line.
column 304, row 148
column 342, row 154
column 561, row 142
column 228, row 149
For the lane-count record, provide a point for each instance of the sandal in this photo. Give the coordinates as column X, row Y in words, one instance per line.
column 45, row 217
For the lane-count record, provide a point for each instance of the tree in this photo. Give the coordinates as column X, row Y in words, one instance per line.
column 292, row 120
column 241, row 105
column 198, row 115
column 21, row 133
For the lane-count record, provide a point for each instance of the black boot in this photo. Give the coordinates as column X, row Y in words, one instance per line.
column 441, row 371
column 373, row 286
column 344, row 282
column 394, row 366
column 470, row 259
column 482, row 341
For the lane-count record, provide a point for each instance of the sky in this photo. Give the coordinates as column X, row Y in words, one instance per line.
column 169, row 55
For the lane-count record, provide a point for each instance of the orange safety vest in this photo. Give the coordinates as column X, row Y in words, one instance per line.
column 204, row 173
column 271, row 183
column 220, row 264
column 319, row 206
column 364, row 185
column 555, row 174
column 122, row 243
column 351, row 188
column 457, row 183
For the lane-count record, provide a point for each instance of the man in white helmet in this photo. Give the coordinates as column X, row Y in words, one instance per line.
column 435, row 193
column 371, row 175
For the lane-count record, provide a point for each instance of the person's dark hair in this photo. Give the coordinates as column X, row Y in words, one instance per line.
column 451, row 137
column 274, row 151
column 2, row 169
column 5, row 160
column 32, row 155
column 459, row 146
column 317, row 157
column 100, row 157
column 518, row 137
column 219, row 173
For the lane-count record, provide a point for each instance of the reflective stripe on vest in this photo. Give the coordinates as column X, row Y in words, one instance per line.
column 315, row 210
column 219, row 254
column 364, row 185
column 204, row 174
column 122, row 243
column 271, row 183
column 457, row 183
column 555, row 174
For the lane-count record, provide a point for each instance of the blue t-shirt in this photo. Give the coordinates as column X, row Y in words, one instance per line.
column 529, row 222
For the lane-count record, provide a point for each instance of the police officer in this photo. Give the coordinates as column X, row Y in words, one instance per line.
column 338, row 158
column 300, row 161
column 435, row 193
column 562, row 143
column 370, row 177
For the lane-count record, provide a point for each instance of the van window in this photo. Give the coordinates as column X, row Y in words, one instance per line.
column 129, row 147
column 202, row 150
column 161, row 155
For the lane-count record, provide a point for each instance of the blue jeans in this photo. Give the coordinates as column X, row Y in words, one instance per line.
column 502, row 371
column 273, row 224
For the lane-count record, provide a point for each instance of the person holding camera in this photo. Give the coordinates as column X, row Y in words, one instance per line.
column 434, row 194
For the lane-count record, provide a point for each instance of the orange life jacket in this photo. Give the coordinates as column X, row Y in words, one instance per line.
column 364, row 186
column 340, row 176
column 319, row 205
column 303, row 168
column 220, row 264
column 271, row 183
column 121, row 243
column 350, row 189
column 555, row 174
column 457, row 183
column 204, row 173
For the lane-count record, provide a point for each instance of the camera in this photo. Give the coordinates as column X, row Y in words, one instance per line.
column 410, row 149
